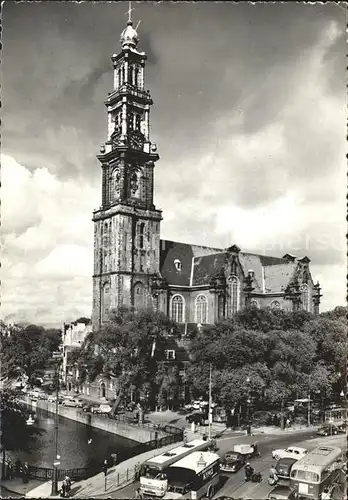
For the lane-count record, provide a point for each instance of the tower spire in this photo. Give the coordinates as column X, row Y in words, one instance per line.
column 129, row 12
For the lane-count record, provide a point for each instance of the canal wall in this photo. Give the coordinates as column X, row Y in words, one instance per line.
column 139, row 434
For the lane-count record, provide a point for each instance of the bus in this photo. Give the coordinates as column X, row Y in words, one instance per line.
column 152, row 479
column 336, row 416
column 194, row 477
column 319, row 470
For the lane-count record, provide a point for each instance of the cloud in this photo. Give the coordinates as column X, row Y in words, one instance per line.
column 47, row 242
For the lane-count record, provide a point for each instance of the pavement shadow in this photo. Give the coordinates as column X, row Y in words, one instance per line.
column 74, row 490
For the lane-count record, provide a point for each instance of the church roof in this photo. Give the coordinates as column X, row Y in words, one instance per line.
column 184, row 252
column 200, row 264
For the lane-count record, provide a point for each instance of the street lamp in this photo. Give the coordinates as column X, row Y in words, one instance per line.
column 58, row 357
column 248, row 407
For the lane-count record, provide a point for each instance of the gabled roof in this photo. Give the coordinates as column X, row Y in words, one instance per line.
column 204, row 268
column 278, row 277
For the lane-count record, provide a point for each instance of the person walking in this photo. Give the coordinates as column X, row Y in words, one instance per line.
column 10, row 470
column 273, row 476
column 25, row 473
column 18, row 467
column 138, row 493
column 67, row 485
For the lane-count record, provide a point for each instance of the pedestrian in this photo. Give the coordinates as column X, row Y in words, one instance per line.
column 273, row 476
column 138, row 493
column 10, row 468
column 63, row 489
column 326, row 494
column 68, row 485
column 25, row 472
column 18, row 467
column 288, row 422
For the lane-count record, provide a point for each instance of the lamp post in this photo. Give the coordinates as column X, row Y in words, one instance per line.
column 58, row 357
column 248, row 408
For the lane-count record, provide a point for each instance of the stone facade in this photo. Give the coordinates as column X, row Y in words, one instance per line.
column 133, row 267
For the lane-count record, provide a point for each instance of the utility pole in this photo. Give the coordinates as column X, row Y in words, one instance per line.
column 309, row 409
column 210, row 415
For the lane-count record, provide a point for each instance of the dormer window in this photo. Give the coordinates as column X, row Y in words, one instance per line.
column 170, row 354
column 177, row 264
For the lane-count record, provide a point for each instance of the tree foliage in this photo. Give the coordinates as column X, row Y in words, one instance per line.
column 28, row 350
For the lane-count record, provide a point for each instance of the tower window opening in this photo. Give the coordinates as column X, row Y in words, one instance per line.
column 122, row 74
column 130, row 75
column 131, row 121
column 136, row 76
column 119, row 77
column 137, row 123
column 275, row 304
column 141, row 235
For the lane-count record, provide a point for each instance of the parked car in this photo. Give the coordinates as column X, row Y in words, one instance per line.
column 232, row 462
column 52, row 399
column 342, row 428
column 104, row 408
column 281, row 493
column 197, row 418
column 328, row 430
column 89, row 408
column 290, row 452
column 73, row 403
column 283, row 467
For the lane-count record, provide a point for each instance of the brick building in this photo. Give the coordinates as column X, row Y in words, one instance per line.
column 133, row 266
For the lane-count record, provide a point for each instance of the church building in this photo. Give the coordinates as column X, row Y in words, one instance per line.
column 192, row 284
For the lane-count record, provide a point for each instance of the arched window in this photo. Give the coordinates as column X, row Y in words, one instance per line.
column 105, row 301
column 136, row 76
column 141, row 235
column 119, row 77
column 201, row 309
column 177, row 309
column 233, row 289
column 275, row 304
column 123, row 74
column 254, row 303
column 304, row 289
column 131, row 121
column 130, row 75
column 221, row 306
column 137, row 123
column 139, row 296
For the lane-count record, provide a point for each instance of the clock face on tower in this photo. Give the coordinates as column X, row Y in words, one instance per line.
column 136, row 140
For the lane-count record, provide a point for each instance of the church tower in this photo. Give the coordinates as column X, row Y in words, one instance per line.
column 127, row 224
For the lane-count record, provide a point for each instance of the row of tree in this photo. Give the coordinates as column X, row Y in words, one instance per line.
column 261, row 354
column 266, row 355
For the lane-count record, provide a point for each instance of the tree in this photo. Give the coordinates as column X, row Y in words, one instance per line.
column 127, row 348
column 28, row 350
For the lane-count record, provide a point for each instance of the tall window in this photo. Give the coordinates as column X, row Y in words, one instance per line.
column 275, row 304
column 221, row 306
column 177, row 308
column 304, row 289
column 201, row 309
column 136, row 76
column 233, row 289
column 141, row 235
column 119, row 77
column 139, row 296
column 137, row 123
column 106, row 301
column 123, row 75
column 131, row 121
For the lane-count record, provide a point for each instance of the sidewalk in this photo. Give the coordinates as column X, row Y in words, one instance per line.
column 16, row 485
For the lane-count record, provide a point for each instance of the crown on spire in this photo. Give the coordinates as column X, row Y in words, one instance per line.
column 129, row 36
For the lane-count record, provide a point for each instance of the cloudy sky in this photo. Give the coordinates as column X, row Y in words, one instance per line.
column 249, row 119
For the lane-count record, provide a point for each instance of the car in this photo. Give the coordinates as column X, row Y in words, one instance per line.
column 281, row 493
column 232, row 462
column 328, row 430
column 283, row 467
column 197, row 418
column 342, row 428
column 89, row 408
column 290, row 452
column 52, row 399
column 73, row 403
column 104, row 408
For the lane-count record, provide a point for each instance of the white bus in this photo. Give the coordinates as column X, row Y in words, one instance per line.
column 319, row 470
column 152, row 480
column 194, row 477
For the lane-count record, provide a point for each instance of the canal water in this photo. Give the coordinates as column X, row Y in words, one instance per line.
column 79, row 445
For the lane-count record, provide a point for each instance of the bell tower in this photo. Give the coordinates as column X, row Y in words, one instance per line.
column 127, row 224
